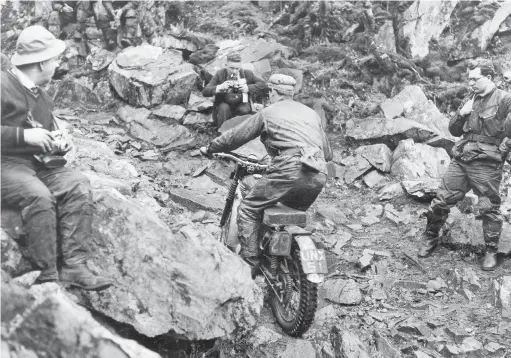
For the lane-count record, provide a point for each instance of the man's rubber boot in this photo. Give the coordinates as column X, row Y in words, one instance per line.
column 253, row 262
column 490, row 260
column 429, row 238
column 80, row 276
column 429, row 243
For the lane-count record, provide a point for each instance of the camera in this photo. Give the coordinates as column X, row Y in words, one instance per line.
column 55, row 157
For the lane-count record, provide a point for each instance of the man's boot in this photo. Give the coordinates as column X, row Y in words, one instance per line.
column 253, row 262
column 492, row 227
column 429, row 238
column 80, row 276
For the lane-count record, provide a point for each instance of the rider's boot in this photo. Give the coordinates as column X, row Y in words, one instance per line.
column 429, row 238
column 248, row 233
column 253, row 262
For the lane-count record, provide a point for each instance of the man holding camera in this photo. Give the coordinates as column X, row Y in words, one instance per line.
column 232, row 87
column 55, row 202
column 484, row 123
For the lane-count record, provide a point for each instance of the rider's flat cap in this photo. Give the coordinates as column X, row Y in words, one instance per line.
column 283, row 84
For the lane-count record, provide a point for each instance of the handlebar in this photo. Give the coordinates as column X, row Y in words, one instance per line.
column 251, row 164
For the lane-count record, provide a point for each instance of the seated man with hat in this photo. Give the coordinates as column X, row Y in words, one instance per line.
column 294, row 137
column 232, row 87
column 55, row 202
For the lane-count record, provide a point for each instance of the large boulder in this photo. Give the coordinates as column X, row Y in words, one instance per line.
column 412, row 103
column 424, row 21
column 179, row 281
column 389, row 131
column 148, row 76
column 55, row 326
column 415, row 160
column 160, row 133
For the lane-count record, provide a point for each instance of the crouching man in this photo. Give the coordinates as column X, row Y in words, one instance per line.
column 55, row 202
column 232, row 87
column 484, row 123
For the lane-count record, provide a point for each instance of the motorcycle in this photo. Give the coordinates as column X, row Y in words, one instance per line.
column 291, row 264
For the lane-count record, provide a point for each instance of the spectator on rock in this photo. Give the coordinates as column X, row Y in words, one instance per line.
column 136, row 24
column 55, row 202
column 484, row 125
column 78, row 12
column 232, row 87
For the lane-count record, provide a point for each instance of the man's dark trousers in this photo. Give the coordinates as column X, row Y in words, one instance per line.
column 224, row 112
column 483, row 176
column 56, row 209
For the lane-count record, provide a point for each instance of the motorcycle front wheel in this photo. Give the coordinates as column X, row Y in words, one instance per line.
column 296, row 302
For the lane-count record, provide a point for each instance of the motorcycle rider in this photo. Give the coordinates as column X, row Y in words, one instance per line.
column 294, row 137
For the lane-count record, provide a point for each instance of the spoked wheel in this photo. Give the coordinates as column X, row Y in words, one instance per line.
column 295, row 304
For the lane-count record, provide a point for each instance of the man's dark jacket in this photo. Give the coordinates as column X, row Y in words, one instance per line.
column 256, row 86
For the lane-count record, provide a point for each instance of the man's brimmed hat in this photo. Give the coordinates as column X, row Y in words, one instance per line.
column 36, row 44
column 283, row 84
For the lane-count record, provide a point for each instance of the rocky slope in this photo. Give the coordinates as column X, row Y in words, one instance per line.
column 138, row 124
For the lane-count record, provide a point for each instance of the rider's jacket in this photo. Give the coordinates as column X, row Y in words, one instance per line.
column 284, row 127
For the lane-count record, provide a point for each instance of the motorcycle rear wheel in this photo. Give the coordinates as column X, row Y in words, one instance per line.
column 298, row 301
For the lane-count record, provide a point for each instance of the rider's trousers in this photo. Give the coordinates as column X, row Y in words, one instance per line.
column 286, row 183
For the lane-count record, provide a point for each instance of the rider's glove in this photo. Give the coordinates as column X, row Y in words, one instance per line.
column 205, row 152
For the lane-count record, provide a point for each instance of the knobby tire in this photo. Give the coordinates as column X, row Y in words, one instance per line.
column 308, row 301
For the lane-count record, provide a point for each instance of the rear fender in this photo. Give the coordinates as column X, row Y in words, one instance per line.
column 305, row 242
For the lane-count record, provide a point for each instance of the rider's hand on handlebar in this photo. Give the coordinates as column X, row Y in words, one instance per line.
column 204, row 152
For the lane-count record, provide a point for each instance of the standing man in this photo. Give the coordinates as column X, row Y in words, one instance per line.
column 484, row 122
column 231, row 87
column 294, row 137
column 55, row 202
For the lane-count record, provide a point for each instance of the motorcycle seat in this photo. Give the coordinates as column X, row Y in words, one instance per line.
column 280, row 215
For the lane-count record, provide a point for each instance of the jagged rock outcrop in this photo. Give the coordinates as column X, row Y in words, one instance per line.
column 423, row 21
column 412, row 103
column 415, row 160
column 389, row 131
column 45, row 322
column 166, row 134
column 148, row 76
column 179, row 281
column 379, row 155
column 476, row 25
